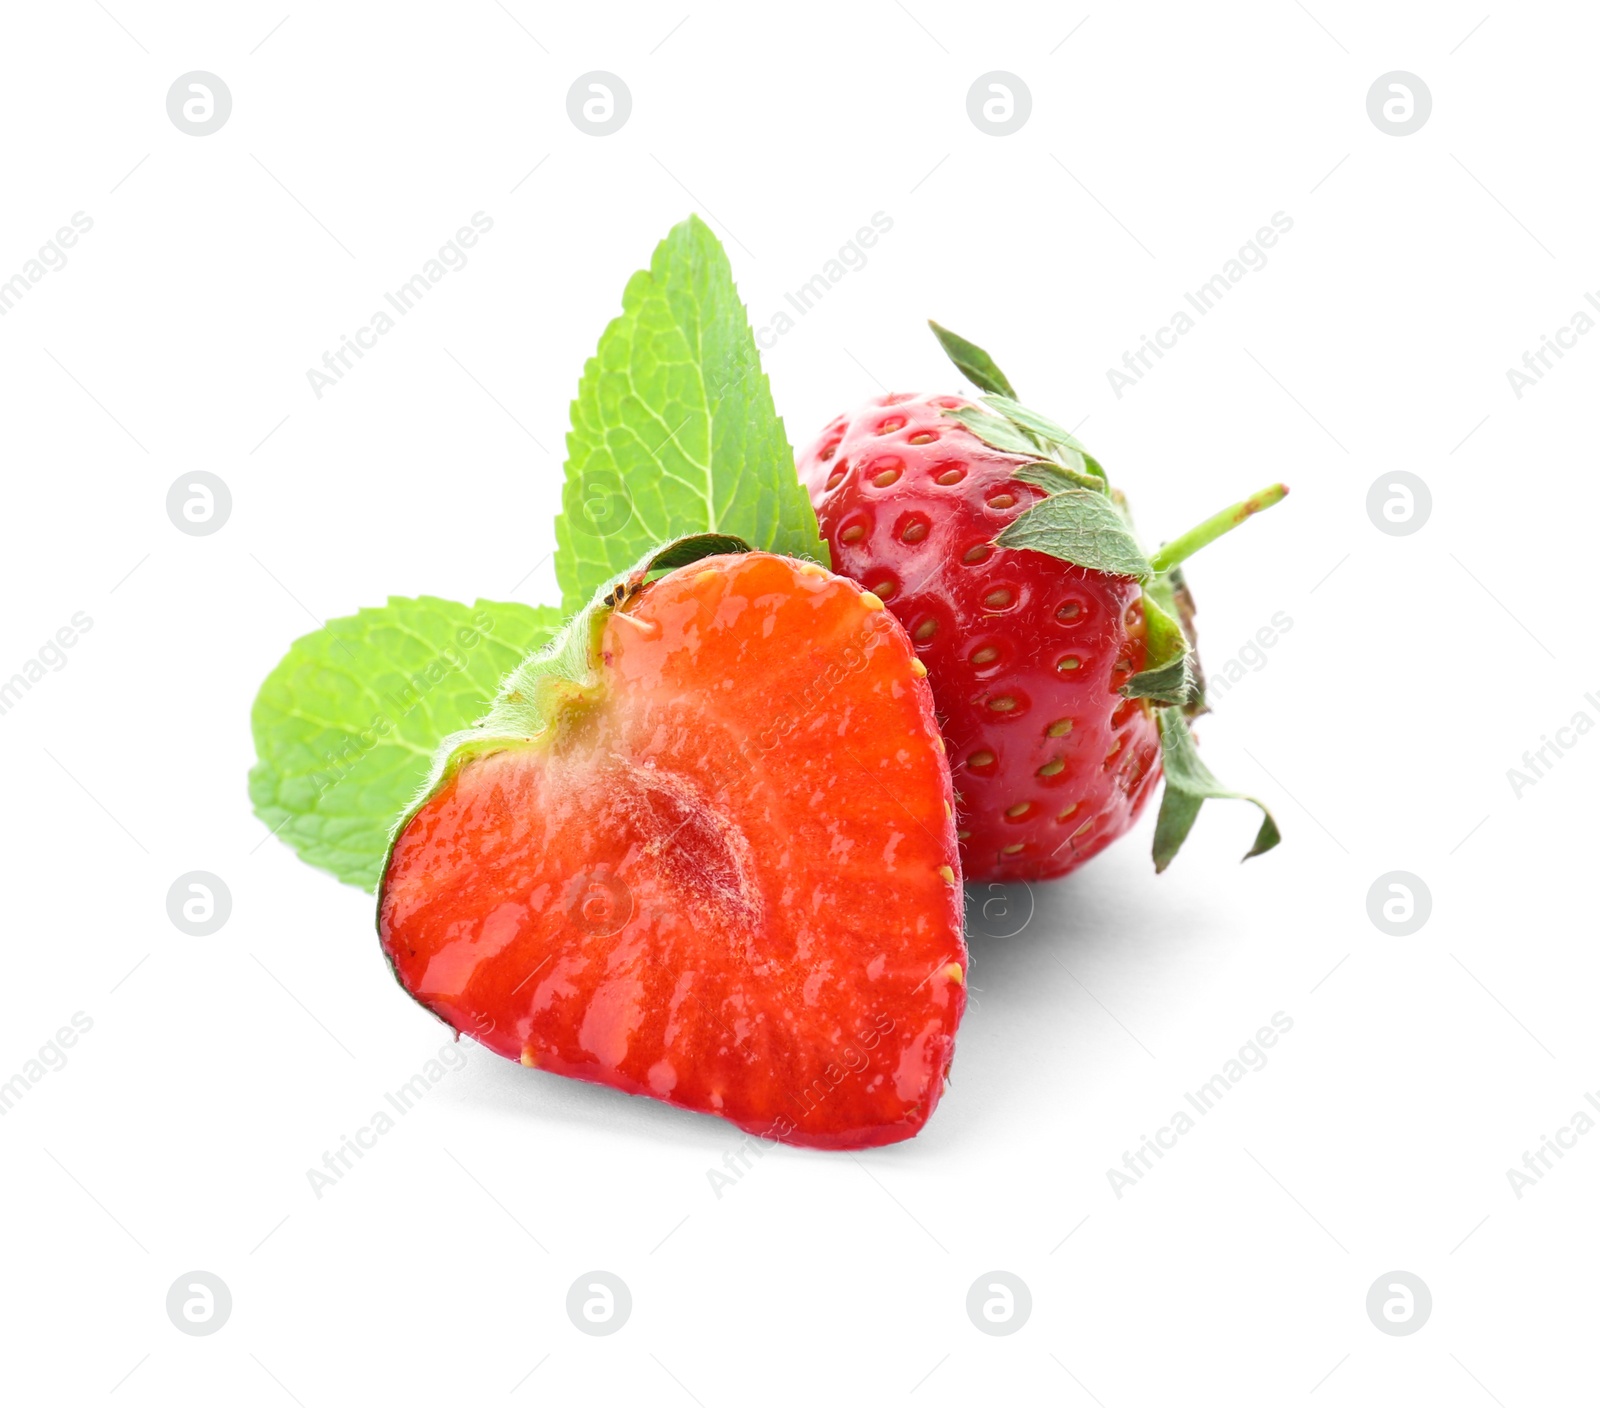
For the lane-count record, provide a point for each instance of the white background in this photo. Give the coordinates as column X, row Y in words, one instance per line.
column 1417, row 671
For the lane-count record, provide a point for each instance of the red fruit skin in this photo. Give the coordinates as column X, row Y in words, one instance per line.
column 874, row 478
column 728, row 880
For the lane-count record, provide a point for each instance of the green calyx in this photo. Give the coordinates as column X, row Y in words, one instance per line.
column 1082, row 520
column 560, row 676
column 1189, row 783
column 1168, row 676
column 972, row 362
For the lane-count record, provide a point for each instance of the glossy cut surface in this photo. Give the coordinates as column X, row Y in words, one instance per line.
column 1025, row 652
column 727, row 879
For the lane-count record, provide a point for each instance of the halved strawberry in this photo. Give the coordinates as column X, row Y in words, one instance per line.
column 701, row 849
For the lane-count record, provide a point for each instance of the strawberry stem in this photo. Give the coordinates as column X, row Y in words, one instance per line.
column 1171, row 554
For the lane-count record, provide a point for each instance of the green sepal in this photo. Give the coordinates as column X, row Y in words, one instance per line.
column 1015, row 429
column 1016, row 438
column 1189, row 782
column 972, row 362
column 995, row 432
column 1081, row 526
column 1052, row 476
column 680, row 552
column 1166, row 684
column 1166, row 677
column 1172, row 593
column 1041, row 427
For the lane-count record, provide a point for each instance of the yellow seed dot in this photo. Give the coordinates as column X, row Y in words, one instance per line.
column 938, row 743
column 1018, row 808
column 1051, row 768
column 1071, row 662
column 963, row 835
column 1082, row 829
column 709, row 575
column 949, row 811
column 918, row 668
column 812, row 569
column 954, row 973
column 1060, row 728
column 1012, row 849
column 871, row 602
column 1063, row 815
column 947, row 875
column 528, row 1058
column 981, row 759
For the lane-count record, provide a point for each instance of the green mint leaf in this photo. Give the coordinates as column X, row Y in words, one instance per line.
column 995, row 432
column 347, row 723
column 1189, row 782
column 972, row 362
column 1081, row 526
column 674, row 430
column 1166, row 676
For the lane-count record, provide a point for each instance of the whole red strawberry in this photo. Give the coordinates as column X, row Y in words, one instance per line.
column 701, row 849
column 1058, row 651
